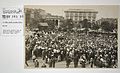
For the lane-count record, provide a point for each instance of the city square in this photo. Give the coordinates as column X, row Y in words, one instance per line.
column 81, row 38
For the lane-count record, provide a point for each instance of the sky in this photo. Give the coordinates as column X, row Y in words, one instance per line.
column 104, row 11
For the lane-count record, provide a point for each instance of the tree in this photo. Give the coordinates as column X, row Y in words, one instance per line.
column 86, row 25
column 95, row 26
column 67, row 25
column 51, row 24
column 106, row 26
column 38, row 16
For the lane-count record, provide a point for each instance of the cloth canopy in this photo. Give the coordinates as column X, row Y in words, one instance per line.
column 43, row 24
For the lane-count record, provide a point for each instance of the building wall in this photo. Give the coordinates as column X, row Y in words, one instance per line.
column 79, row 15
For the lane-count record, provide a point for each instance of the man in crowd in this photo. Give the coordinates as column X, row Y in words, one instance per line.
column 100, row 51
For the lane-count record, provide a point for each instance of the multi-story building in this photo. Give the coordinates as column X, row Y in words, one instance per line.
column 32, row 13
column 78, row 15
column 55, row 18
column 35, row 12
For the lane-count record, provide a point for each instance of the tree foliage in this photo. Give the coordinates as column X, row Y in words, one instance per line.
column 95, row 26
column 86, row 24
column 67, row 24
column 106, row 26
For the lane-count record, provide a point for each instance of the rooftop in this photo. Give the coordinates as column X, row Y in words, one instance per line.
column 81, row 10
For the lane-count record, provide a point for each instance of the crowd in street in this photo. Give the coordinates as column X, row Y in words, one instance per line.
column 96, row 50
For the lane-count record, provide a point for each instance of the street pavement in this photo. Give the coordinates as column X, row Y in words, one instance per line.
column 61, row 64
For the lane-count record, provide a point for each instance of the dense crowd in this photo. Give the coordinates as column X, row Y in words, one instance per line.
column 96, row 50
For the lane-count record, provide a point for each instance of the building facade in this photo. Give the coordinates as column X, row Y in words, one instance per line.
column 78, row 15
column 33, row 16
column 55, row 18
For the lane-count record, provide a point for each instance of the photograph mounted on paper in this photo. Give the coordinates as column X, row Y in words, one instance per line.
column 71, row 36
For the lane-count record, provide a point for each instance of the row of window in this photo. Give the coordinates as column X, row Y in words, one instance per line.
column 83, row 16
column 80, row 17
column 80, row 14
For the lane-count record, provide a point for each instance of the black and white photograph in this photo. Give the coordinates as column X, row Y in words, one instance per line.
column 71, row 36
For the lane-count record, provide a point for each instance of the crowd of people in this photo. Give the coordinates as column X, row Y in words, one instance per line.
column 96, row 50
